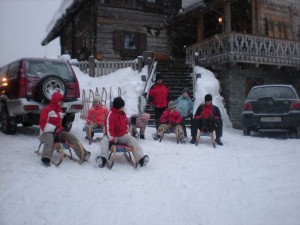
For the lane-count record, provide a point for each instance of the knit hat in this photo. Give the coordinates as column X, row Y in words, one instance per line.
column 208, row 98
column 158, row 77
column 97, row 98
column 171, row 105
column 185, row 90
column 118, row 103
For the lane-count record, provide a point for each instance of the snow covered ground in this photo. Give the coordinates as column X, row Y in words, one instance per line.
column 248, row 181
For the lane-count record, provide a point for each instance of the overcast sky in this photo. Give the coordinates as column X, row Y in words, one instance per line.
column 23, row 26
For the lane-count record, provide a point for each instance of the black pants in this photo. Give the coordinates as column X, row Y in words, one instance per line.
column 199, row 124
column 157, row 114
column 183, row 124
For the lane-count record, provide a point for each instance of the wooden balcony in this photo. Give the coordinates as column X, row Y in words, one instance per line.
column 244, row 48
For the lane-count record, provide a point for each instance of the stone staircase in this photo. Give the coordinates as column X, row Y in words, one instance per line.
column 177, row 76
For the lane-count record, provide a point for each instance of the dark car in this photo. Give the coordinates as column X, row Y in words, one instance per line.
column 26, row 86
column 270, row 107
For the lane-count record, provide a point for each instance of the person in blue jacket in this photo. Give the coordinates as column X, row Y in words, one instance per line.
column 185, row 107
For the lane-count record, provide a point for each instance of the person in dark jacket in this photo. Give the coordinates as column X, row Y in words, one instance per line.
column 51, row 127
column 117, row 128
column 159, row 98
column 207, row 115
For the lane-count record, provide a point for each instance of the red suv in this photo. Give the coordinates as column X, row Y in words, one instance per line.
column 26, row 86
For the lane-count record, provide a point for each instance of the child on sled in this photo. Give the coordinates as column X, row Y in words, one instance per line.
column 96, row 117
column 139, row 122
column 170, row 120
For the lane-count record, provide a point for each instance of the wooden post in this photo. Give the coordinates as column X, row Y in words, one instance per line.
column 140, row 63
column 91, row 66
column 149, row 62
column 226, row 23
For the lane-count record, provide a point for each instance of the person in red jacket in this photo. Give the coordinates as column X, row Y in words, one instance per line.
column 159, row 98
column 117, row 128
column 170, row 120
column 51, row 126
column 96, row 116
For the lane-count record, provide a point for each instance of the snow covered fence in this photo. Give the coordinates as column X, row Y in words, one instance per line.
column 104, row 67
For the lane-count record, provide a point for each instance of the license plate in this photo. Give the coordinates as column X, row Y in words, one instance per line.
column 270, row 119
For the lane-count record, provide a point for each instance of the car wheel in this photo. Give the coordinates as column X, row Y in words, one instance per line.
column 49, row 84
column 7, row 125
column 246, row 131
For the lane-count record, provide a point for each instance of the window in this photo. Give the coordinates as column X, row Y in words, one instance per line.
column 129, row 44
column 130, row 41
column 278, row 28
column 14, row 69
column 251, row 82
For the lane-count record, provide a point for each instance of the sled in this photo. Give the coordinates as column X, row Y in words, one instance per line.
column 205, row 133
column 94, row 130
column 170, row 131
column 119, row 149
column 60, row 148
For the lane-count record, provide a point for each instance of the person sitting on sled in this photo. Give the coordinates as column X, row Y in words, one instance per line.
column 139, row 122
column 117, row 133
column 96, row 117
column 51, row 126
column 185, row 108
column 207, row 118
column 170, row 120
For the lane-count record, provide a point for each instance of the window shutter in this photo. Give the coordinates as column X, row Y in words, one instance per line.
column 142, row 42
column 118, row 40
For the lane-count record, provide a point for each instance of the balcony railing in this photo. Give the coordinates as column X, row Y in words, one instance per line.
column 244, row 48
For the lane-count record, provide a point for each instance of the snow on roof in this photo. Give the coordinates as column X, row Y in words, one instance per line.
column 67, row 3
column 58, row 14
column 187, row 3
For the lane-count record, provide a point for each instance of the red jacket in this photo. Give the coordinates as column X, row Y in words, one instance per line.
column 170, row 117
column 117, row 124
column 206, row 111
column 52, row 115
column 97, row 115
column 159, row 94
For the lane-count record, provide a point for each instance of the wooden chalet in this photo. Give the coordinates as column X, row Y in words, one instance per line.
column 244, row 42
column 114, row 29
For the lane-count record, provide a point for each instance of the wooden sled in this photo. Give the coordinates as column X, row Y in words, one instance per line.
column 204, row 133
column 94, row 130
column 170, row 131
column 117, row 149
column 60, row 148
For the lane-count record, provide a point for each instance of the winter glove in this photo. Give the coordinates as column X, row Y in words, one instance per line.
column 197, row 117
column 58, row 130
column 165, row 122
column 111, row 144
column 173, row 124
column 133, row 121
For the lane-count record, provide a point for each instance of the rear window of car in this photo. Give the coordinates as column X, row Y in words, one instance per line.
column 275, row 92
column 43, row 68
